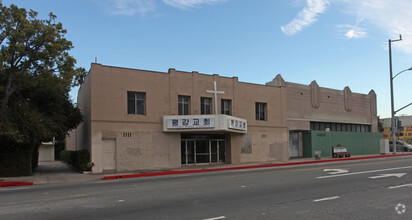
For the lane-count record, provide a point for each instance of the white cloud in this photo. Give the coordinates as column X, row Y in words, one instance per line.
column 306, row 17
column 183, row 4
column 141, row 7
column 392, row 17
column 353, row 32
column 131, row 7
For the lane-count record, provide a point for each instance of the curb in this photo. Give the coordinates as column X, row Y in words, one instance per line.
column 9, row 184
column 177, row 172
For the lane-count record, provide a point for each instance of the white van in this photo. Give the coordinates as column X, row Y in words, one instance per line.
column 401, row 146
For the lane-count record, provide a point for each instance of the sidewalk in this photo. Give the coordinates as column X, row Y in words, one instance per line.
column 58, row 172
column 48, row 173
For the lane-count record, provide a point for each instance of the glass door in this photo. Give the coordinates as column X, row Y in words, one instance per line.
column 183, row 152
column 222, row 151
column 217, row 151
column 191, row 149
column 202, row 151
column 214, row 151
column 188, row 151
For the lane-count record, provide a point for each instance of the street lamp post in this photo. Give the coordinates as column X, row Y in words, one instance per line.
column 392, row 105
column 393, row 112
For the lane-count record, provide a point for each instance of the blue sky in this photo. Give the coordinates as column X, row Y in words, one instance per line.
column 338, row 43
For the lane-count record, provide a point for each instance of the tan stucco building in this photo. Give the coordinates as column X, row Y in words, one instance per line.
column 138, row 119
column 311, row 107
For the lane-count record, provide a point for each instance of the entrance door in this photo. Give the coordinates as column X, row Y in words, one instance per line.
column 293, row 144
column 202, row 151
column 109, row 150
column 217, row 151
column 214, row 153
column 222, row 151
column 188, row 151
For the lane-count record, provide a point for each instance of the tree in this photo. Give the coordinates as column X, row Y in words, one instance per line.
column 31, row 48
column 36, row 75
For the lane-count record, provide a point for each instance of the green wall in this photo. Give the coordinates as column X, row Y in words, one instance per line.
column 356, row 142
column 307, row 145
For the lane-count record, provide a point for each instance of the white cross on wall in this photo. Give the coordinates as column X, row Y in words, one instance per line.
column 214, row 91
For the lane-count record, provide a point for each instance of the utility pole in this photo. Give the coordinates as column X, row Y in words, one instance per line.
column 392, row 101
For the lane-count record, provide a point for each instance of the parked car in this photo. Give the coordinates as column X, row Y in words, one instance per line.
column 400, row 146
column 340, row 151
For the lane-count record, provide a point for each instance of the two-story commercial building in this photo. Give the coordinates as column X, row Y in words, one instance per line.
column 139, row 119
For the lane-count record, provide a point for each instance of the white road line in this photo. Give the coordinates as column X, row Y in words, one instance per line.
column 370, row 171
column 399, row 175
column 326, row 199
column 336, row 171
column 400, row 186
column 14, row 188
column 215, row 218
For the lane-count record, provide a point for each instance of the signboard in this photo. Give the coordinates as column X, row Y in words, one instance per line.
column 179, row 123
column 193, row 123
column 238, row 124
column 404, row 134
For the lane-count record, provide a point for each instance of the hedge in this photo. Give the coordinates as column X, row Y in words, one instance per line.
column 16, row 163
column 78, row 159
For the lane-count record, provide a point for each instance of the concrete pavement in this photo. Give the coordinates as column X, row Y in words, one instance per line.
column 292, row 192
column 59, row 172
column 48, row 173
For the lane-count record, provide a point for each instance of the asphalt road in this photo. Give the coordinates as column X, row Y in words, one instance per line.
column 363, row 189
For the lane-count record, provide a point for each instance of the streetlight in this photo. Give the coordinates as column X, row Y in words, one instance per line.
column 402, row 72
column 393, row 112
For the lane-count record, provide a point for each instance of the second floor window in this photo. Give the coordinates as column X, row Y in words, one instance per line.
column 136, row 103
column 225, row 106
column 184, row 105
column 205, row 106
column 260, row 111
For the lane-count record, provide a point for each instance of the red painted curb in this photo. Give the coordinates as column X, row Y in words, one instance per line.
column 9, row 184
column 164, row 173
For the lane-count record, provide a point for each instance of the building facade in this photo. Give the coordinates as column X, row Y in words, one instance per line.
column 136, row 120
column 404, row 128
column 341, row 116
column 139, row 120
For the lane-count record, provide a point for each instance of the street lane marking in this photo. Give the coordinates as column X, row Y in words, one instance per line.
column 348, row 165
column 216, row 218
column 399, row 175
column 400, row 186
column 326, row 199
column 321, row 166
column 335, row 171
column 14, row 188
column 370, row 171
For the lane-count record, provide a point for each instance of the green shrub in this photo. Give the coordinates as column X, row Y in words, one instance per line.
column 16, row 162
column 35, row 158
column 78, row 159
column 65, row 156
column 83, row 158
